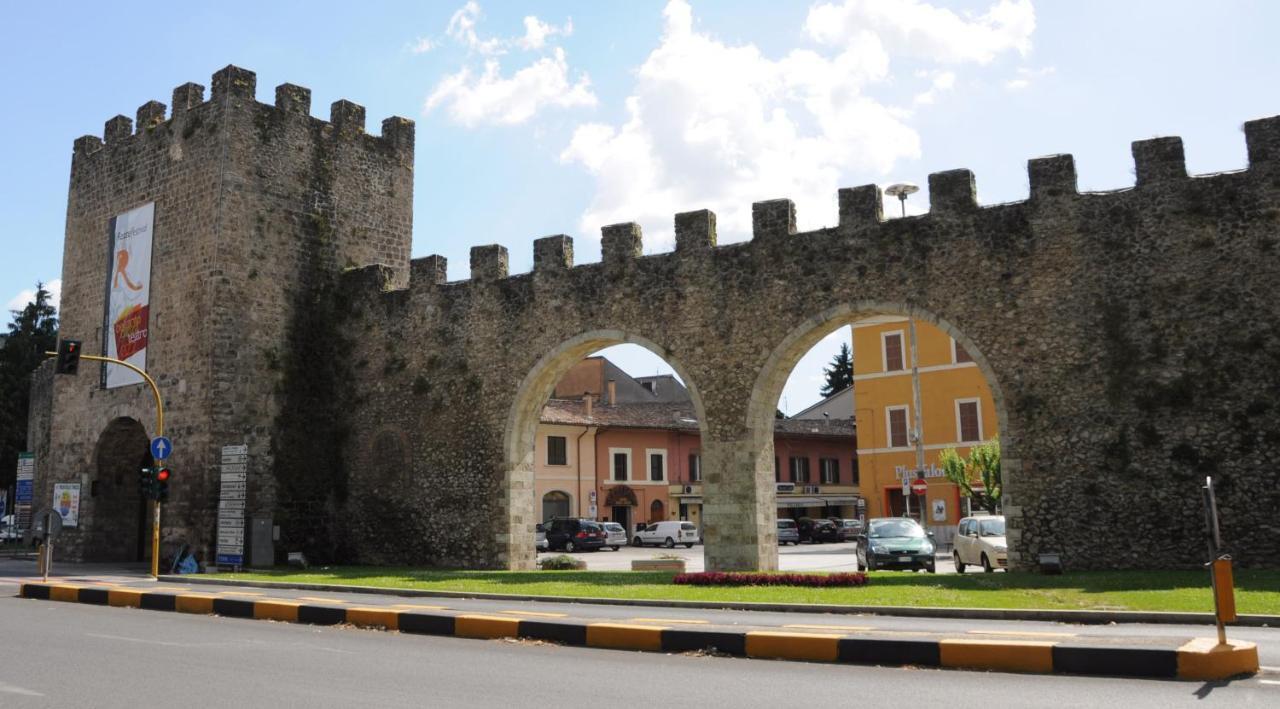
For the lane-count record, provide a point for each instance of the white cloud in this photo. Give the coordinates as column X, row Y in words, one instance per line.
column 917, row 29
column 477, row 96
column 422, row 45
column 716, row 125
column 1025, row 76
column 536, row 32
column 492, row 98
column 20, row 301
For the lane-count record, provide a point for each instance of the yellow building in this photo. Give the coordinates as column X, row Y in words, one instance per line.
column 956, row 410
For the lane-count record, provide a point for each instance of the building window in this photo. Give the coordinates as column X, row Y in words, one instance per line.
column 897, row 416
column 657, row 464
column 695, row 468
column 830, row 470
column 892, row 342
column 555, row 504
column 621, row 462
column 968, row 420
column 959, row 354
column 853, row 469
column 799, row 469
column 557, row 453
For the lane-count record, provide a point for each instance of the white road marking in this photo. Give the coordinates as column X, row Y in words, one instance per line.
column 14, row 689
column 1269, row 681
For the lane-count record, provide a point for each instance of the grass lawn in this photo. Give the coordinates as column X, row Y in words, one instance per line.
column 1257, row 591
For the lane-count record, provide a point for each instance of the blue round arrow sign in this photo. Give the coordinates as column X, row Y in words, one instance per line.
column 161, row 447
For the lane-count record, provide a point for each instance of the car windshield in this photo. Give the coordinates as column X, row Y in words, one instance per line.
column 613, row 526
column 896, row 528
column 786, row 524
column 991, row 527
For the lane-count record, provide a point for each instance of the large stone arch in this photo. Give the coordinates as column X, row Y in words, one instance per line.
column 119, row 514
column 799, row 340
column 522, row 423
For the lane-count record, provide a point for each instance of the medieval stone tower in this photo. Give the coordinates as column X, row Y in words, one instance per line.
column 257, row 207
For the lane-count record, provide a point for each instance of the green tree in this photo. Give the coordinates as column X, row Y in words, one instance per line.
column 839, row 373
column 983, row 464
column 33, row 332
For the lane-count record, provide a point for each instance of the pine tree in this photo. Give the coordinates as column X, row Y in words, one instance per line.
column 839, row 373
column 33, row 332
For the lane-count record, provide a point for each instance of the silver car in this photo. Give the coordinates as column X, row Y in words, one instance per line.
column 788, row 532
column 615, row 535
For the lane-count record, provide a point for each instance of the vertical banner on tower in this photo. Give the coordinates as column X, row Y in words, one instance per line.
column 128, row 316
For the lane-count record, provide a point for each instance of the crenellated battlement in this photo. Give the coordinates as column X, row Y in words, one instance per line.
column 1052, row 182
column 233, row 86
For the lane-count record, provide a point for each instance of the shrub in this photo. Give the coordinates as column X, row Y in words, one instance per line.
column 562, row 562
column 756, row 578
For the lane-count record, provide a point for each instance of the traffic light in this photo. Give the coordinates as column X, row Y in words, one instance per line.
column 147, row 482
column 162, row 484
column 68, row 357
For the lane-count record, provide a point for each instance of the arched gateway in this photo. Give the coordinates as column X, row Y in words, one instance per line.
column 1129, row 338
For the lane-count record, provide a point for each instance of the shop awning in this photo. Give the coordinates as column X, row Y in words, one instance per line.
column 800, row 502
column 840, row 500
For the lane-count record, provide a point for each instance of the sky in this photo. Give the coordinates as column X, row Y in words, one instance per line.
column 542, row 118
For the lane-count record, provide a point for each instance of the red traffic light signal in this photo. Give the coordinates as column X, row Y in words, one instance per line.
column 162, row 475
column 162, row 484
column 68, row 357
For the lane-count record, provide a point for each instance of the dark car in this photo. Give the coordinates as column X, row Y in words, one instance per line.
column 818, row 531
column 896, row 543
column 573, row 535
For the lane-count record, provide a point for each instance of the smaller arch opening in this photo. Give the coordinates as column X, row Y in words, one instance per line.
column 117, row 526
column 556, row 503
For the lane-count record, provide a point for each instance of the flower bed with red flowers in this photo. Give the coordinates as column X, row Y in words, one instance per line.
column 758, row 578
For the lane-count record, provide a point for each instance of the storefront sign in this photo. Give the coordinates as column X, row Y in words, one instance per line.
column 907, row 472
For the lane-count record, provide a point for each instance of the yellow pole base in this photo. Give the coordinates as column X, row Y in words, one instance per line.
column 1206, row 658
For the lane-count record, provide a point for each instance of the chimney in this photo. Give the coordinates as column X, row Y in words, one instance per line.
column 613, row 392
column 587, row 397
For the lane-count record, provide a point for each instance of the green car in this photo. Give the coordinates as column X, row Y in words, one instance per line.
column 896, row 543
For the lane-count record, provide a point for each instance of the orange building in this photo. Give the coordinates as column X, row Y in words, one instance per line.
column 956, row 410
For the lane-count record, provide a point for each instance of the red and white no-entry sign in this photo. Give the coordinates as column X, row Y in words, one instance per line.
column 919, row 487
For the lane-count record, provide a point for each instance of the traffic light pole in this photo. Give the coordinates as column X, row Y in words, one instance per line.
column 155, row 504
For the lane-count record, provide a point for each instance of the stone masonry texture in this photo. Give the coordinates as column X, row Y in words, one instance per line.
column 1129, row 338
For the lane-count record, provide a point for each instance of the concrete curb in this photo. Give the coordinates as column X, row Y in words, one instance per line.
column 1045, row 615
column 1200, row 659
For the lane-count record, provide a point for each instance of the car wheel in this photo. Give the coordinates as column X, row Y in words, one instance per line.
column 636, row 542
column 669, row 543
column 986, row 563
column 959, row 564
column 570, row 547
column 616, row 548
column 688, row 546
column 932, row 568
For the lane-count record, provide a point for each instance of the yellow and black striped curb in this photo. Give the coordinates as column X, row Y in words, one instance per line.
column 1199, row 659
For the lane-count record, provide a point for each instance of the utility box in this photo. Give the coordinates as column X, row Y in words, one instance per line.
column 262, row 550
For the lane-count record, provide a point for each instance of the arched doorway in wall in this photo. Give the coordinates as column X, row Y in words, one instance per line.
column 119, row 522
column 555, row 504
column 657, row 511
column 914, row 386
column 616, row 438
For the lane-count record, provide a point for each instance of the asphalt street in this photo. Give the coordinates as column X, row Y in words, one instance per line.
column 68, row 655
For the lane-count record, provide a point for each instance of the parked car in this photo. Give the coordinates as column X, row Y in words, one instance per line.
column 668, row 534
column 817, row 531
column 540, row 537
column 980, row 542
column 896, row 543
column 849, row 529
column 572, row 534
column 615, row 535
column 788, row 532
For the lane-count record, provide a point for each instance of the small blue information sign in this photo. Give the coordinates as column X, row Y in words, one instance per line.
column 161, row 447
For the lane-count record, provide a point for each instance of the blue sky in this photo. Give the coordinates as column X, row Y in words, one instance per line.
column 546, row 118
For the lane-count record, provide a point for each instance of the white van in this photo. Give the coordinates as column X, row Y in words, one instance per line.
column 668, row 534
